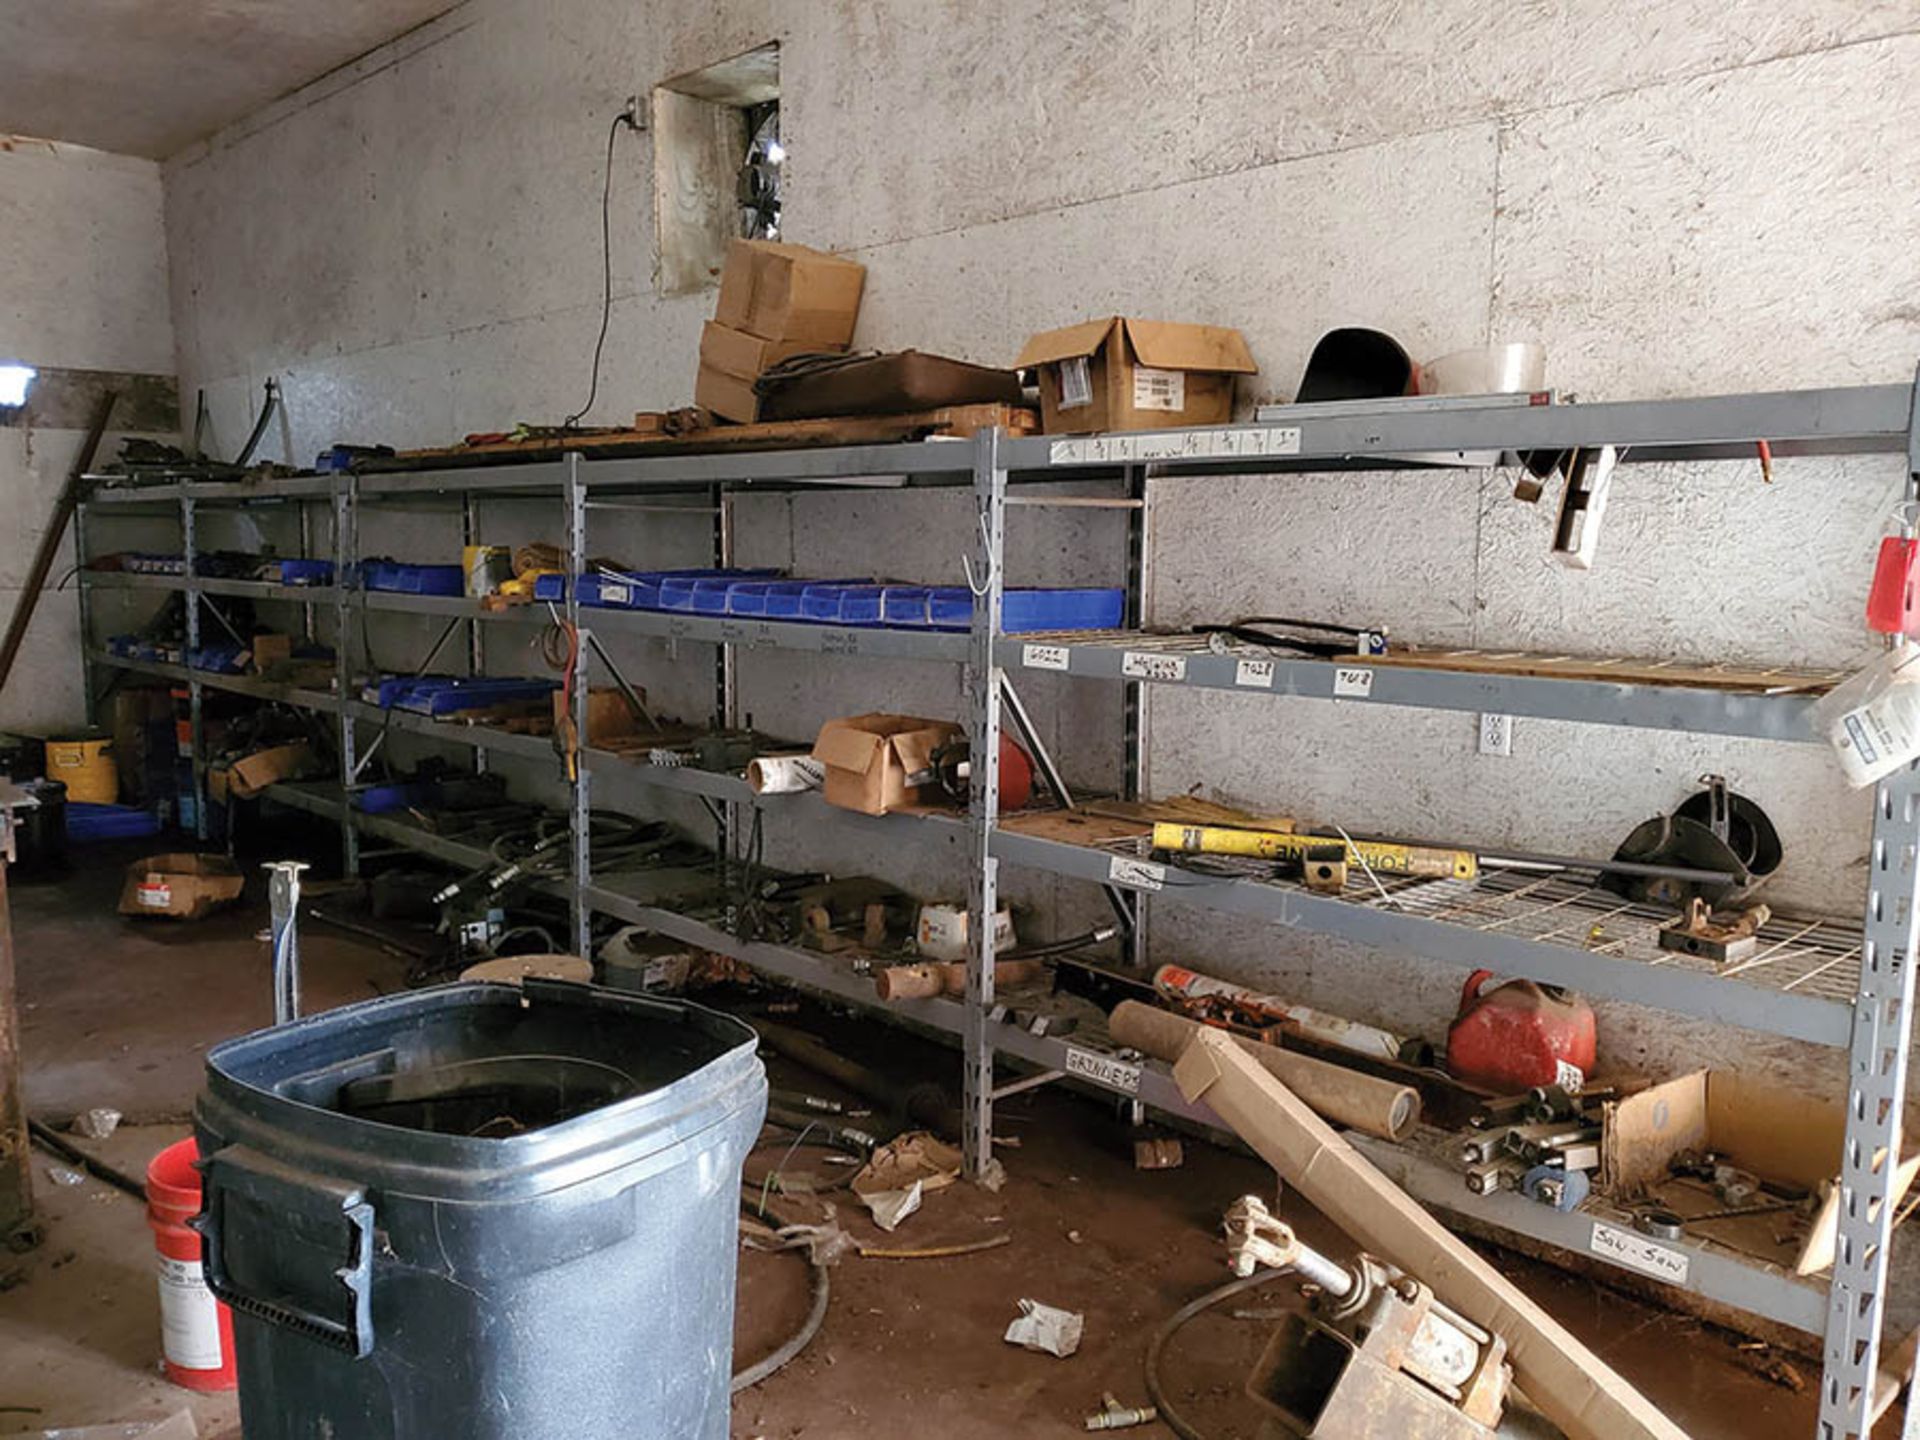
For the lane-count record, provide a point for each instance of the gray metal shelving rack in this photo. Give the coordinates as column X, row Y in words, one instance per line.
column 1826, row 984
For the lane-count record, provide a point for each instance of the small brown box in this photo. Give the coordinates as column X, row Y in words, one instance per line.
column 727, row 396
column 790, row 292
column 270, row 650
column 180, row 887
column 748, row 357
column 246, row 777
column 1126, row 374
column 870, row 757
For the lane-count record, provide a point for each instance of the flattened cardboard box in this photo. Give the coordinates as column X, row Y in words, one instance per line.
column 869, row 757
column 1126, row 374
column 180, row 886
column 246, row 777
column 780, row 291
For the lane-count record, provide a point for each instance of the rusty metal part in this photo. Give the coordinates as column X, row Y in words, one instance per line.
column 1698, row 930
column 1160, row 1152
column 1221, row 1002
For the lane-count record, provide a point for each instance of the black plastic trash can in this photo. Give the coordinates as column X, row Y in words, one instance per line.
column 481, row 1212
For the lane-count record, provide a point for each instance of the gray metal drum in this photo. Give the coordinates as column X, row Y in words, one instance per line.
column 482, row 1211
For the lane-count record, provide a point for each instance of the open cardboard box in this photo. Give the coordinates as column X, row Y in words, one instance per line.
column 1779, row 1135
column 870, row 757
column 1125, row 374
column 246, row 777
column 180, row 886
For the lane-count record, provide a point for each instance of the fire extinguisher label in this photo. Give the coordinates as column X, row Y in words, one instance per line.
column 189, row 1316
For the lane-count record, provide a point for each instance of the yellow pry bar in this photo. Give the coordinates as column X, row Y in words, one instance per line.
column 1376, row 855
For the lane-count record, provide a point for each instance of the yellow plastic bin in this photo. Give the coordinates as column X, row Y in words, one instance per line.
column 84, row 764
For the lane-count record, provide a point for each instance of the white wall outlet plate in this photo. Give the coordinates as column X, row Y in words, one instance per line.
column 1496, row 735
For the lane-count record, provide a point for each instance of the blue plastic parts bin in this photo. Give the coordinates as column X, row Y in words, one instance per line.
column 412, row 579
column 87, row 822
column 951, row 608
column 306, row 572
column 384, row 799
column 450, row 694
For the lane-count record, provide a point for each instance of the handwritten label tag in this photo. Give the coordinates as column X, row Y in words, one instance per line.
column 1136, row 874
column 1254, row 674
column 1351, row 684
column 840, row 642
column 1045, row 657
column 1137, row 665
column 1104, row 1070
column 1637, row 1252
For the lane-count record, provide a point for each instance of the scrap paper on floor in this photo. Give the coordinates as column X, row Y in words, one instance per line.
column 1042, row 1327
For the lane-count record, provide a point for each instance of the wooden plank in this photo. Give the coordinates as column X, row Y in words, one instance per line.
column 1778, row 680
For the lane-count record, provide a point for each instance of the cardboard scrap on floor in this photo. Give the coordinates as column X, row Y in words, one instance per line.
column 895, row 1179
column 176, row 1427
column 1046, row 1328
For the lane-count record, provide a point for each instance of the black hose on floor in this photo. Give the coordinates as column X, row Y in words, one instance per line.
column 49, row 1140
column 798, row 1341
column 1161, row 1337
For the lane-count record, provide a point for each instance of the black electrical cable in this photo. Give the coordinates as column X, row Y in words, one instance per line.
column 48, row 1139
column 1156, row 1347
column 625, row 117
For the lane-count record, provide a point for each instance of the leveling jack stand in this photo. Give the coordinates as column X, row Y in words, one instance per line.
column 283, row 898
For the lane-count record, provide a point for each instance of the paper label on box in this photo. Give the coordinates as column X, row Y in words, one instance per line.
column 1045, row 657
column 1637, row 1252
column 1159, row 389
column 1569, row 1077
column 1136, row 665
column 155, row 893
column 1076, row 382
column 1104, row 1070
column 1352, row 684
column 1136, row 874
column 1254, row 674
column 615, row 594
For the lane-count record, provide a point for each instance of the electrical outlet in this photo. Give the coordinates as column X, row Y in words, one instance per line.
column 1496, row 735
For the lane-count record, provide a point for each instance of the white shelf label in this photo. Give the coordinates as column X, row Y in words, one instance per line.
column 1352, row 684
column 1137, row 665
column 1104, row 1070
column 1136, row 874
column 1246, row 441
column 1637, row 1252
column 1044, row 657
column 1254, row 674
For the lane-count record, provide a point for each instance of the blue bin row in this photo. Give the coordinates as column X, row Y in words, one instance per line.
column 763, row 595
column 450, row 694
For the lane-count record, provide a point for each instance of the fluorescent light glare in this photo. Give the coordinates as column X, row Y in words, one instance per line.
column 776, row 152
column 15, row 381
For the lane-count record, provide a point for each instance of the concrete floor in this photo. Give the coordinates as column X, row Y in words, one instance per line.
column 120, row 1013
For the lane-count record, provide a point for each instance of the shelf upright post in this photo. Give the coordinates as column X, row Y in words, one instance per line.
column 580, row 791
column 1876, row 1085
column 476, row 647
column 346, row 561
column 84, row 596
column 725, row 706
column 1134, row 695
column 305, row 512
column 196, row 698
column 987, row 540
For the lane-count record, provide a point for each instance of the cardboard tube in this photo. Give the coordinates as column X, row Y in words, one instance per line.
column 784, row 774
column 923, row 982
column 1346, row 1097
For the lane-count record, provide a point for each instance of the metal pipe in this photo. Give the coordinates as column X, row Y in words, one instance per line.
column 1329, row 1274
column 283, row 896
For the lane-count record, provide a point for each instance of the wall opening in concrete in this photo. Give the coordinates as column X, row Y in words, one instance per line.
column 717, row 165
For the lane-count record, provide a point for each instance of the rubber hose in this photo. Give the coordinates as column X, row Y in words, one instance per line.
column 1156, row 1347
column 50, row 1141
column 798, row 1341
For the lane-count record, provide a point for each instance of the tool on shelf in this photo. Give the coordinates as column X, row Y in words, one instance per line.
column 1715, row 935
column 1317, row 639
column 1271, row 1018
column 1379, row 857
column 1713, row 829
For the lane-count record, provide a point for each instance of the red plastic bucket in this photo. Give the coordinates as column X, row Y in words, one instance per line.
column 196, row 1331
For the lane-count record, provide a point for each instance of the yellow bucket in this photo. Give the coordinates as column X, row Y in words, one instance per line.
column 85, row 766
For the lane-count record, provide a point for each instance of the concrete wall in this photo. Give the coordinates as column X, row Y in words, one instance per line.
column 1675, row 198
column 83, row 285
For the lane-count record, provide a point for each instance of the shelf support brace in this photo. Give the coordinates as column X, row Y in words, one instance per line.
column 346, row 538
column 1876, row 1085
column 581, row 810
column 984, row 691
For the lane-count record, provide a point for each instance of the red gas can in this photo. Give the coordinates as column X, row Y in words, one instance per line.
column 1519, row 1035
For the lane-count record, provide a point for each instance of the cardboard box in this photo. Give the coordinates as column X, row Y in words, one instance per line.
column 869, row 757
column 246, row 777
column 270, row 650
column 779, row 291
column 1776, row 1134
column 748, row 357
column 1127, row 374
column 180, row 887
column 609, row 717
column 727, row 396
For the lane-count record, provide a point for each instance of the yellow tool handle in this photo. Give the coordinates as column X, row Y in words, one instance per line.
column 1377, row 855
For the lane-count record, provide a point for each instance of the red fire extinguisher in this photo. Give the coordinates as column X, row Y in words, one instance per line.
column 1519, row 1035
